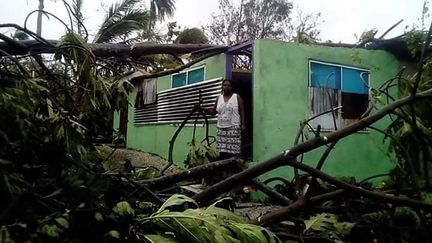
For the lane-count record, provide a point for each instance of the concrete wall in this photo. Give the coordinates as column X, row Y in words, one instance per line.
column 281, row 102
column 155, row 138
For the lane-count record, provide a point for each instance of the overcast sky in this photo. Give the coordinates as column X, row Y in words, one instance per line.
column 342, row 18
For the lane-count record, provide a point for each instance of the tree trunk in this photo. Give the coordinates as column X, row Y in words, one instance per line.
column 105, row 50
column 39, row 18
column 193, row 173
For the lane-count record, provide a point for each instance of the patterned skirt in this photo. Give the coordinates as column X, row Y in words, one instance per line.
column 228, row 140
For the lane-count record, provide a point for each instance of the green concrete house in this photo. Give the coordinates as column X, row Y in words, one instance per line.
column 288, row 83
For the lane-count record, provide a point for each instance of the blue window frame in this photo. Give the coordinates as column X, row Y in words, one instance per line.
column 178, row 80
column 344, row 89
column 347, row 79
column 191, row 76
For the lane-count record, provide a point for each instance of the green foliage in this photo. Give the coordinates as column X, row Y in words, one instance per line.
column 123, row 208
column 414, row 40
column 128, row 18
column 199, row 154
column 378, row 218
column 114, row 234
column 405, row 216
column 327, row 225
column 178, row 201
column 122, row 19
column 192, row 36
column 162, row 8
column 144, row 173
column 411, row 143
column 203, row 225
column 367, row 36
column 53, row 185
column 263, row 19
column 159, row 239
column 5, row 235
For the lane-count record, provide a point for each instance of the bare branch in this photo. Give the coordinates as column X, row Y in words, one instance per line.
column 313, row 143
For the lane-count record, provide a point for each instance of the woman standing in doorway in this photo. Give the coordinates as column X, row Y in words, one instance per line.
column 230, row 122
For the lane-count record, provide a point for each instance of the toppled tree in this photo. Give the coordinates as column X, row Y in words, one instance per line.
column 54, row 186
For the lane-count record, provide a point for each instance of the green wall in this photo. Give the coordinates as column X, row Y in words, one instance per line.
column 155, row 138
column 214, row 68
column 280, row 86
column 280, row 94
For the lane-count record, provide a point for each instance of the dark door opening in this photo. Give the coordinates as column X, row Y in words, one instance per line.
column 123, row 127
column 242, row 85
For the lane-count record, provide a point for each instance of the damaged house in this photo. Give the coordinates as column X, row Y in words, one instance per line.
column 286, row 84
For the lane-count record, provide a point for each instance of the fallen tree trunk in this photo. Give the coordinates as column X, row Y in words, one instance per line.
column 105, row 50
column 289, row 155
column 193, row 173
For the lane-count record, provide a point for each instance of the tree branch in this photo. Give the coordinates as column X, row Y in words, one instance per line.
column 281, row 214
column 196, row 172
column 282, row 159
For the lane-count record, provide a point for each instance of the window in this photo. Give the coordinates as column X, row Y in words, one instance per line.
column 336, row 86
column 188, row 77
column 146, row 93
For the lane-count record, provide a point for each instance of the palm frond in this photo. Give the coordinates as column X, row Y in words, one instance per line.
column 132, row 21
column 162, row 8
column 77, row 7
column 79, row 18
column 122, row 19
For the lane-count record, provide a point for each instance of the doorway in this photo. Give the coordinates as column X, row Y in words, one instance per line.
column 123, row 127
column 242, row 85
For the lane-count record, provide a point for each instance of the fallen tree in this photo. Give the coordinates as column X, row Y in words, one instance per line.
column 55, row 183
column 102, row 50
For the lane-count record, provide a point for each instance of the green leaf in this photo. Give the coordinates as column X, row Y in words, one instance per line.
column 344, row 228
column 224, row 214
column 159, row 239
column 320, row 222
column 51, row 230
column 199, row 154
column 253, row 233
column 144, row 173
column 123, row 208
column 178, row 200
column 114, row 234
column 63, row 222
column 209, row 225
column 326, row 225
column 192, row 225
column 5, row 235
column 99, row 217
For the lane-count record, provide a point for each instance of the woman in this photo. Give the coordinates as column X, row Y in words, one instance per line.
column 230, row 123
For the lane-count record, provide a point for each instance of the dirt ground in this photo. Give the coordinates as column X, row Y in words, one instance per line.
column 252, row 210
column 139, row 158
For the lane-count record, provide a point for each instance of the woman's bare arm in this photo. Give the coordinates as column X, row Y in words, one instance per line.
column 212, row 111
column 242, row 113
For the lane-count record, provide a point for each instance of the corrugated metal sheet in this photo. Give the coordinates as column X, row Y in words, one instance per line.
column 175, row 104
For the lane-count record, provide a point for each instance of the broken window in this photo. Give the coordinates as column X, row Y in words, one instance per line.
column 146, row 93
column 340, row 88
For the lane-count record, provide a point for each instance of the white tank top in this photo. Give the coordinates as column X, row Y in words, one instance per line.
column 228, row 112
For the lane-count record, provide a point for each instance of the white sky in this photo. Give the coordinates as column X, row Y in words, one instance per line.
column 343, row 18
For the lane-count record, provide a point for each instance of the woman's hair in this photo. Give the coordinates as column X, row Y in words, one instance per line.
column 227, row 80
